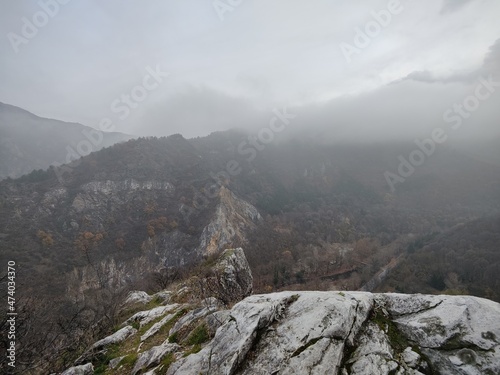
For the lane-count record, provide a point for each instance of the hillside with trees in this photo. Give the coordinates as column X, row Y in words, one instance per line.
column 462, row 260
column 140, row 214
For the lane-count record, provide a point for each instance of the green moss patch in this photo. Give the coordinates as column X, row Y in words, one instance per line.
column 398, row 341
column 198, row 336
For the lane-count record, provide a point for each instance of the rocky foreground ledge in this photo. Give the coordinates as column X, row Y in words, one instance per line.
column 331, row 333
column 353, row 333
column 296, row 332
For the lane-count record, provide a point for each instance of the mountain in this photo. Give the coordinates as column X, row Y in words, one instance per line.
column 144, row 214
column 29, row 142
column 185, row 332
column 131, row 214
column 178, row 199
column 138, row 201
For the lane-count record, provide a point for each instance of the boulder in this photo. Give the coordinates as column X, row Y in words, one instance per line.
column 234, row 277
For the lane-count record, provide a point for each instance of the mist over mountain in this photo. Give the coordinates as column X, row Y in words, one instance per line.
column 29, row 142
column 310, row 215
column 300, row 173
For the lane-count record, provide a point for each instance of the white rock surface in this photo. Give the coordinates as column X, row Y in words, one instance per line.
column 146, row 316
column 233, row 216
column 215, row 320
column 236, row 277
column 87, row 369
column 153, row 356
column 156, row 327
column 163, row 295
column 137, row 297
column 373, row 355
column 115, row 362
column 190, row 317
column 100, row 346
column 291, row 323
column 410, row 357
column 352, row 333
column 115, row 338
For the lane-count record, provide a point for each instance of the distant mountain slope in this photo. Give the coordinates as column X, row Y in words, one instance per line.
column 462, row 260
column 29, row 142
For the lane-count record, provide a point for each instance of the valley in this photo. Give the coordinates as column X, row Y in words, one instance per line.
column 142, row 214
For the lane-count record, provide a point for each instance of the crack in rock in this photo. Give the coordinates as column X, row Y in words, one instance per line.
column 418, row 311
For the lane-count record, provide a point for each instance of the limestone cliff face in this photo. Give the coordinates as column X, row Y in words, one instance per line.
column 100, row 194
column 231, row 220
column 233, row 217
column 122, row 209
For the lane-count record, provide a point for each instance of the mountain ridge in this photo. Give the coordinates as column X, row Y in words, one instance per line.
column 30, row 142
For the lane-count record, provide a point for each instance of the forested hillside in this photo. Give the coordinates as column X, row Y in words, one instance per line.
column 462, row 260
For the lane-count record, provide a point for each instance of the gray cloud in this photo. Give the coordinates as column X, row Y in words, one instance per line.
column 492, row 60
column 490, row 66
column 450, row 6
column 264, row 55
column 200, row 111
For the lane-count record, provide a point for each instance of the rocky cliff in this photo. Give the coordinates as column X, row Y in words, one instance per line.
column 233, row 217
column 300, row 333
column 122, row 214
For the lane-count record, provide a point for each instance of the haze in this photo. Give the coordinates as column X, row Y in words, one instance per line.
column 230, row 65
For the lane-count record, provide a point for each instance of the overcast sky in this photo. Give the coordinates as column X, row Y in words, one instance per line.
column 229, row 66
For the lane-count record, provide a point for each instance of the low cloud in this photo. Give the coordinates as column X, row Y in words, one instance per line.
column 198, row 111
column 402, row 110
column 491, row 66
column 450, row 6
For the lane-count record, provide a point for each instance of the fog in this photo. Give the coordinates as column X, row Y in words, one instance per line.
column 223, row 65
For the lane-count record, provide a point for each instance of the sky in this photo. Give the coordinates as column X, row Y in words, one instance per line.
column 194, row 67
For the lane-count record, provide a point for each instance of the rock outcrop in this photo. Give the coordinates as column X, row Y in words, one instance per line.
column 101, row 346
column 233, row 217
column 169, row 323
column 320, row 333
column 86, row 369
column 353, row 333
column 298, row 332
column 97, row 196
column 235, row 276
